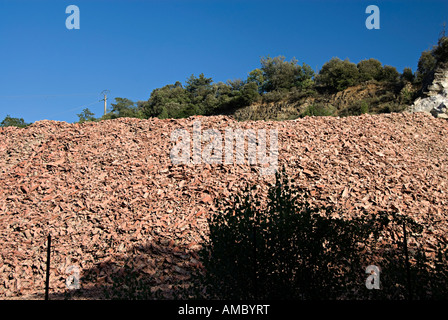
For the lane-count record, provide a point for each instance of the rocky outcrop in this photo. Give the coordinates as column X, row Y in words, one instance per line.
column 435, row 97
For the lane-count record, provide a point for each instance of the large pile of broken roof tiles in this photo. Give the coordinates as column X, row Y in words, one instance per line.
column 110, row 195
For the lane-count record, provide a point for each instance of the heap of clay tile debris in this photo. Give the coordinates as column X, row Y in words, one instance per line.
column 110, row 196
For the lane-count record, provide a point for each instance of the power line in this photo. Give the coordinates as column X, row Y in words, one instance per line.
column 47, row 95
column 74, row 109
column 103, row 93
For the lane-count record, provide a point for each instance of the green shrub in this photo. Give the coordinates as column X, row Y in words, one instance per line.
column 274, row 96
column 86, row 115
column 392, row 107
column 370, row 69
column 441, row 51
column 407, row 96
column 353, row 109
column 319, row 109
column 296, row 94
column 425, row 67
column 364, row 107
column 13, row 122
column 407, row 75
column 390, row 74
column 338, row 75
column 278, row 74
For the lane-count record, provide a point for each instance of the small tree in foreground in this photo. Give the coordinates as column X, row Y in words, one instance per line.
column 289, row 250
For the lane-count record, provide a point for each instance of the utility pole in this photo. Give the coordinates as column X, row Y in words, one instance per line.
column 104, row 93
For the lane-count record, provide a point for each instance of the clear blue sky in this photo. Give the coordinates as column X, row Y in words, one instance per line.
column 131, row 47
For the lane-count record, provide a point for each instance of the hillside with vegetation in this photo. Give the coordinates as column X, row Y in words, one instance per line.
column 284, row 90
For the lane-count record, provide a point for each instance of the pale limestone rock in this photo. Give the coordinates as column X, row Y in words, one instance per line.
column 435, row 99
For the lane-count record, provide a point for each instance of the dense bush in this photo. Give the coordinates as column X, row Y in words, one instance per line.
column 200, row 96
column 273, row 96
column 390, row 74
column 356, row 108
column 391, row 107
column 407, row 75
column 256, row 76
column 280, row 75
column 319, row 109
column 337, row 74
column 13, row 122
column 86, row 115
column 428, row 62
column 124, row 107
column 370, row 69
column 290, row 250
column 170, row 101
column 441, row 50
column 426, row 65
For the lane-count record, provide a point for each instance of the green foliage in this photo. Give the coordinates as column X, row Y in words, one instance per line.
column 390, row 74
column 256, row 76
column 441, row 51
column 200, row 97
column 392, row 107
column 13, row 122
column 364, row 107
column 273, row 96
column 305, row 79
column 428, row 61
column 426, row 65
column 199, row 86
column 86, row 115
column 370, row 69
column 281, row 75
column 278, row 82
column 406, row 96
column 296, row 94
column 170, row 101
column 319, row 109
column 337, row 75
column 407, row 75
column 249, row 94
column 124, row 108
